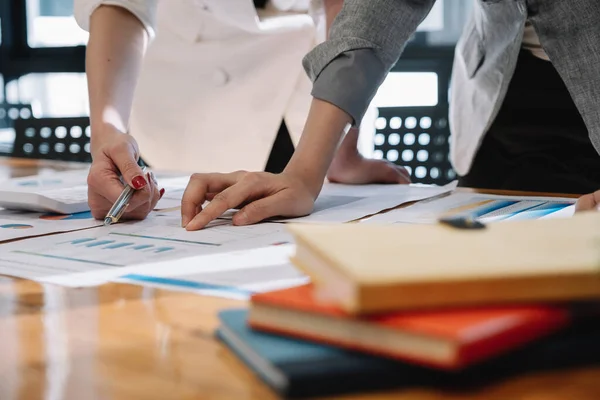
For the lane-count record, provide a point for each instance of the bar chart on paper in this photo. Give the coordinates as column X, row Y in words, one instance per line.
column 153, row 240
column 485, row 208
column 219, row 235
column 233, row 274
column 79, row 252
column 111, row 245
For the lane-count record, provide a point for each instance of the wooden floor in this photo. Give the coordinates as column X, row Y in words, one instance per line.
column 124, row 342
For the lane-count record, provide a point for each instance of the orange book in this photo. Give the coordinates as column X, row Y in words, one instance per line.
column 448, row 339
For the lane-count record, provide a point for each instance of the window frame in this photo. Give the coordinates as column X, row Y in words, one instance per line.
column 17, row 58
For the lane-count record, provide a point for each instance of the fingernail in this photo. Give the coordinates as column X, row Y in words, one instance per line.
column 241, row 218
column 138, row 182
column 184, row 221
column 162, row 192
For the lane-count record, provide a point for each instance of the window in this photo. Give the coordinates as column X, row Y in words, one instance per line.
column 50, row 23
column 51, row 95
column 445, row 22
column 435, row 18
column 421, row 78
column 408, row 89
column 42, row 64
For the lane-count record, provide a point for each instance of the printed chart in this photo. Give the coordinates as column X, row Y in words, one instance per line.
column 159, row 238
column 485, row 208
column 237, row 274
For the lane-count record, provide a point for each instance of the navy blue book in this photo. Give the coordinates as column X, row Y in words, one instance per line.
column 295, row 368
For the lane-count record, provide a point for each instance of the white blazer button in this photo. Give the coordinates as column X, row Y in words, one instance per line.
column 220, row 77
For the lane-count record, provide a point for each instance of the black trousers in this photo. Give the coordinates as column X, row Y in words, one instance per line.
column 538, row 141
column 281, row 152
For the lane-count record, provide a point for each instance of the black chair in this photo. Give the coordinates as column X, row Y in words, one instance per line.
column 12, row 112
column 417, row 138
column 65, row 139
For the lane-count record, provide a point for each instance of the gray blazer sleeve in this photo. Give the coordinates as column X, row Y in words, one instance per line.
column 365, row 41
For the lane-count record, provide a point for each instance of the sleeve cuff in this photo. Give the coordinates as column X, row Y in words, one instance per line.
column 350, row 81
column 144, row 11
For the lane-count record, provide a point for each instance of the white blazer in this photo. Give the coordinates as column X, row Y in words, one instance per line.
column 217, row 80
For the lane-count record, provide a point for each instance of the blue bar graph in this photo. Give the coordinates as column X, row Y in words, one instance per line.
column 99, row 243
column 163, row 249
column 118, row 245
column 79, row 241
column 143, row 247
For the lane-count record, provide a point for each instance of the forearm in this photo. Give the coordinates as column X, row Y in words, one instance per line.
column 332, row 9
column 324, row 129
column 115, row 51
column 349, row 142
column 322, row 133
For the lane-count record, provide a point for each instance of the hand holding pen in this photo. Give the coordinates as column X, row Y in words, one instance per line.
column 116, row 211
column 114, row 168
column 120, row 206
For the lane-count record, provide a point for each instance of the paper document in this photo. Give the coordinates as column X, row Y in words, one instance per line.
column 236, row 274
column 158, row 238
column 174, row 188
column 19, row 224
column 47, row 181
column 483, row 207
column 344, row 203
column 15, row 224
column 339, row 203
column 67, row 192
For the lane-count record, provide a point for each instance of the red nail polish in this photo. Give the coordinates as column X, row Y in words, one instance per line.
column 162, row 191
column 138, row 182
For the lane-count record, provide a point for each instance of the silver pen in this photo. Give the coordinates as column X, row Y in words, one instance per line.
column 117, row 210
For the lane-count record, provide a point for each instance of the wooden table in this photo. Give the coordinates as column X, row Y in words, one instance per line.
column 124, row 342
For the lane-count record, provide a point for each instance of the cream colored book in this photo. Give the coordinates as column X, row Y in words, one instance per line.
column 370, row 269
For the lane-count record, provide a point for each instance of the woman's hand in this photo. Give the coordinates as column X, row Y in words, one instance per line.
column 350, row 167
column 260, row 195
column 588, row 202
column 115, row 154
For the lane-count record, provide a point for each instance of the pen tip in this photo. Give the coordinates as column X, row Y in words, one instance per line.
column 107, row 221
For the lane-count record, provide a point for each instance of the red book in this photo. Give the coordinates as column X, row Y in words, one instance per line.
column 448, row 339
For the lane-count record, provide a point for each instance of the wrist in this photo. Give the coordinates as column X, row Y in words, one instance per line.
column 321, row 136
column 102, row 134
column 347, row 153
column 312, row 178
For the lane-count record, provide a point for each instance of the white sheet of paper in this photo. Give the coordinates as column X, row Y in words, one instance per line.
column 47, row 181
column 19, row 224
column 235, row 274
column 484, row 207
column 339, row 203
column 174, row 188
column 108, row 249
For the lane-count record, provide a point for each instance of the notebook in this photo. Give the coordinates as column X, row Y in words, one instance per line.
column 448, row 339
column 371, row 269
column 297, row 369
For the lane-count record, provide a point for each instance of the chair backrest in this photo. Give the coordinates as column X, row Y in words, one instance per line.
column 10, row 112
column 417, row 138
column 66, row 139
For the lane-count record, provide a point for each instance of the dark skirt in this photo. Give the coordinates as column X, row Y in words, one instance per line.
column 538, row 141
